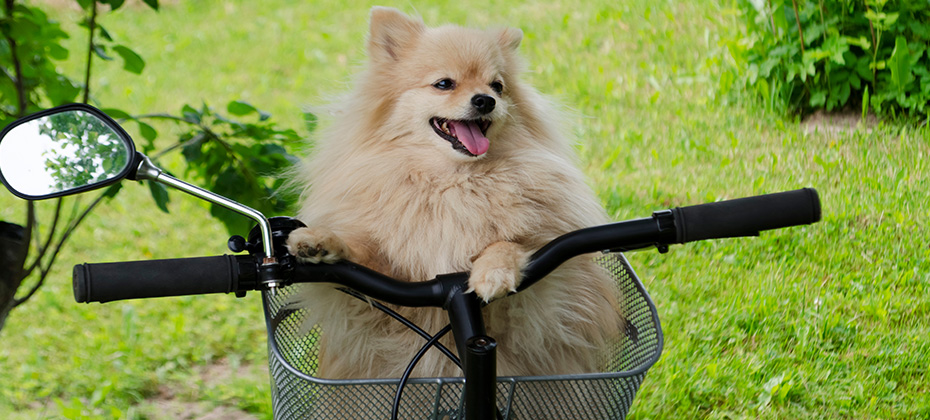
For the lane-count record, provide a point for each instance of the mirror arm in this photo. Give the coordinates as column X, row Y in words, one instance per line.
column 146, row 170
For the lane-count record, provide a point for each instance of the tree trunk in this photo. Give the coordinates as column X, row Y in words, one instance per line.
column 14, row 247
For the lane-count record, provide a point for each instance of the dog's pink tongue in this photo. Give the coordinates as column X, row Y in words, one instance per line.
column 470, row 135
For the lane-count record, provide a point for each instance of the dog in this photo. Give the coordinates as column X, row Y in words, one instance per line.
column 441, row 160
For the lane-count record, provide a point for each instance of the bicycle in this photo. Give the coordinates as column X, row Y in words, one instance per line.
column 35, row 153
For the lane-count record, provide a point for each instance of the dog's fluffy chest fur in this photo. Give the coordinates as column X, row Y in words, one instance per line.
column 423, row 223
column 454, row 218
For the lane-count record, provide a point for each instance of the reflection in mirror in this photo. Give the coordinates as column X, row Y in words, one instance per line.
column 61, row 152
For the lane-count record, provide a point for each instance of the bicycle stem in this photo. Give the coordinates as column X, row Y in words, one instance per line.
column 476, row 349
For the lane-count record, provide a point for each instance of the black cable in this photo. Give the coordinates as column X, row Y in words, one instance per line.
column 432, row 341
column 406, row 322
column 395, row 408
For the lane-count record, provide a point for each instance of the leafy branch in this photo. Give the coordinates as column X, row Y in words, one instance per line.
column 236, row 156
column 230, row 157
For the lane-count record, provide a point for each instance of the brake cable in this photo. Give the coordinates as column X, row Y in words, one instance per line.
column 406, row 322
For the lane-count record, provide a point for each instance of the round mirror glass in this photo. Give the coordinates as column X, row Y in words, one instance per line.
column 67, row 151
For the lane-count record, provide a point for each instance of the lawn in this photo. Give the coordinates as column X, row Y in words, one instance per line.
column 826, row 321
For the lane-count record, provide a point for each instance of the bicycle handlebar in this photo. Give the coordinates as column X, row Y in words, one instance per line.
column 724, row 219
column 378, row 286
column 225, row 274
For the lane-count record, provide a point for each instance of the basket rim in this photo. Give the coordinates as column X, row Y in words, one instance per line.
column 640, row 370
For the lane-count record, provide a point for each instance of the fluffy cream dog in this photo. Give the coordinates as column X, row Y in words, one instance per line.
column 441, row 160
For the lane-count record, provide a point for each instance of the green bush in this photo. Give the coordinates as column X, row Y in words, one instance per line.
column 804, row 55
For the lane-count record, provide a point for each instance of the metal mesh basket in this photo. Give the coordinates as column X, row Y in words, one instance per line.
column 297, row 394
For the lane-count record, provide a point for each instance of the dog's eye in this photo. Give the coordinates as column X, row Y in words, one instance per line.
column 497, row 87
column 444, row 84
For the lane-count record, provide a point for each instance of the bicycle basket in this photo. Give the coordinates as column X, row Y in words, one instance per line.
column 297, row 394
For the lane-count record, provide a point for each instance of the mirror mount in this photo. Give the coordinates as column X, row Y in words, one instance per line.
column 144, row 169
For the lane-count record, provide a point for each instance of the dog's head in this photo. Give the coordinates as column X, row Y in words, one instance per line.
column 448, row 89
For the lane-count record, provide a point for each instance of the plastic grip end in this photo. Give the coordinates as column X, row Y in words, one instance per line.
column 79, row 283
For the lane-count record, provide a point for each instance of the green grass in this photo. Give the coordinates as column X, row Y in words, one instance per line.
column 826, row 321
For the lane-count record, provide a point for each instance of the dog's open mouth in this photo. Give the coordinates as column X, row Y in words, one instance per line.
column 466, row 136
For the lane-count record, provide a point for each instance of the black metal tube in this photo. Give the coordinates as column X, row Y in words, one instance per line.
column 480, row 378
column 432, row 293
column 477, row 350
column 620, row 236
column 464, row 312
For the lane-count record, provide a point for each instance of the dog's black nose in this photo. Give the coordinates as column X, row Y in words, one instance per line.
column 483, row 103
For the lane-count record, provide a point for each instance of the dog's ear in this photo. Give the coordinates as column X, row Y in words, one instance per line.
column 510, row 38
column 391, row 31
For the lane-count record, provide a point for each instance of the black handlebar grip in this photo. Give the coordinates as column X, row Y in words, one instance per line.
column 107, row 282
column 746, row 216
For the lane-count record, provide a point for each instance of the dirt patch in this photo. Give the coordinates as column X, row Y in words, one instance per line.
column 181, row 410
column 170, row 404
column 834, row 123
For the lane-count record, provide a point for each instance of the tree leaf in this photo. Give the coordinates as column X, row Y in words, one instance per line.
column 855, row 81
column 151, row 3
column 104, row 33
column 61, row 90
column 843, row 94
column 112, row 190
column 57, row 52
column 160, row 195
column 116, row 114
column 865, row 102
column 863, row 67
column 818, row 99
column 310, row 121
column 132, row 62
column 101, row 52
column 236, row 224
column 900, row 64
column 191, row 114
column 192, row 152
column 240, row 108
column 148, row 132
column 114, row 4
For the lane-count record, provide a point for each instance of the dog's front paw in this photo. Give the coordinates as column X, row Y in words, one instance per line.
column 316, row 245
column 497, row 270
